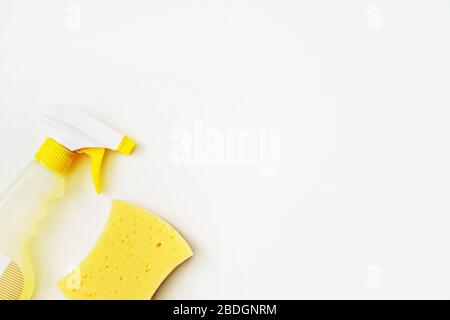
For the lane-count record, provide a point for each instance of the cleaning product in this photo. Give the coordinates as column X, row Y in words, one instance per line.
column 135, row 253
column 24, row 203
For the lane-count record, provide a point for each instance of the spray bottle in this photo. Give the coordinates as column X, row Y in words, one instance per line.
column 24, row 203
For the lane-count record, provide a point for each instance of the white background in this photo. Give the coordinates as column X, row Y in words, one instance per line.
column 358, row 91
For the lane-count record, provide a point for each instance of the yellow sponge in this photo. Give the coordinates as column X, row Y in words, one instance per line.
column 135, row 253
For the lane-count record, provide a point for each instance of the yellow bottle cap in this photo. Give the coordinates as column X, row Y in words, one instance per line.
column 55, row 156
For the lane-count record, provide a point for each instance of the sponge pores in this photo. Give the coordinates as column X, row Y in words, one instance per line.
column 135, row 253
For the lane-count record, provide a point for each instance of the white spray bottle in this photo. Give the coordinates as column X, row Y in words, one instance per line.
column 24, row 203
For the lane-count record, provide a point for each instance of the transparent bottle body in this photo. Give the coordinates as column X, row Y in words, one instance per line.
column 22, row 206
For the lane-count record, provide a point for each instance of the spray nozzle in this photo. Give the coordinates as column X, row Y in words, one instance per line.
column 77, row 132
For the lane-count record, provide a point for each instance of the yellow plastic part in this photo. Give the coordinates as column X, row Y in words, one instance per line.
column 58, row 158
column 126, row 145
column 55, row 156
column 135, row 253
column 97, row 155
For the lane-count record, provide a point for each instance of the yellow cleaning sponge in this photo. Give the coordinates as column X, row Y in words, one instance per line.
column 135, row 253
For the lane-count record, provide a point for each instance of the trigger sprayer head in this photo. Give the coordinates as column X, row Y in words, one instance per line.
column 77, row 132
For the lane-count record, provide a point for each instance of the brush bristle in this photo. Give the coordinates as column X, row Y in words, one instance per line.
column 11, row 282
